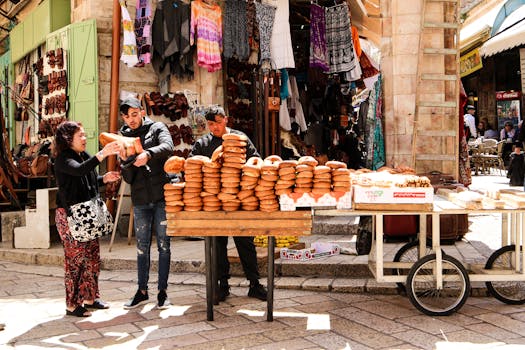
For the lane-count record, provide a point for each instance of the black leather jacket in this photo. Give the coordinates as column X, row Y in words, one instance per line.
column 147, row 181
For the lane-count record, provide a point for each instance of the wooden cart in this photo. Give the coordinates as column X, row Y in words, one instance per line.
column 238, row 223
column 438, row 284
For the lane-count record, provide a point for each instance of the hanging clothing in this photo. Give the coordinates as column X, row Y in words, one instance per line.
column 356, row 42
column 356, row 72
column 465, row 173
column 129, row 45
column 172, row 53
column 265, row 17
column 295, row 104
column 379, row 157
column 253, row 31
column 285, row 90
column 284, row 116
column 318, row 53
column 206, row 31
column 236, row 30
column 339, row 39
column 143, row 31
column 281, row 48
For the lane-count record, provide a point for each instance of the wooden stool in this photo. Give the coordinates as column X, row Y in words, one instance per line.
column 123, row 192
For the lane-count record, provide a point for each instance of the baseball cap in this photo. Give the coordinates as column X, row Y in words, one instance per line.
column 509, row 123
column 471, row 107
column 131, row 102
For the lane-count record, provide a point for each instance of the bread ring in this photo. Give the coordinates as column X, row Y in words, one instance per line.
column 234, row 143
column 334, row 164
column 322, row 169
column 304, row 167
column 288, row 164
column 174, row 186
column 235, row 165
column 283, row 191
column 243, row 194
column 286, row 171
column 308, row 160
column 255, row 161
column 237, row 137
column 239, row 150
column 174, row 209
column 174, row 164
column 198, row 159
column 174, row 203
column 273, row 159
column 340, row 171
column 230, row 190
column 288, row 177
column 217, row 154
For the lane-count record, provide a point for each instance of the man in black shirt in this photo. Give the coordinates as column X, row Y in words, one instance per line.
column 217, row 120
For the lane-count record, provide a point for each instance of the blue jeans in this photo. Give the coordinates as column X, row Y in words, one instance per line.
column 148, row 218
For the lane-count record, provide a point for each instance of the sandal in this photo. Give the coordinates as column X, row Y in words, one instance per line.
column 97, row 304
column 79, row 311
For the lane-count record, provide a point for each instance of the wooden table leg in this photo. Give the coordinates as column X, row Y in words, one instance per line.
column 209, row 278
column 271, row 270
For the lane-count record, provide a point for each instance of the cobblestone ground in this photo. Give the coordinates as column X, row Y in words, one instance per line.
column 32, row 307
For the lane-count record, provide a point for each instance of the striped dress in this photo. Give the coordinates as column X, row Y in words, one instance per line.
column 206, row 31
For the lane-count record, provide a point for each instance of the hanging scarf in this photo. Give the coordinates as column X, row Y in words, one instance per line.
column 379, row 158
column 236, row 30
column 318, row 54
column 265, row 17
column 129, row 46
column 143, row 31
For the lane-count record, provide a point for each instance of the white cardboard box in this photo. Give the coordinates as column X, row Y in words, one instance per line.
column 340, row 200
column 317, row 250
column 399, row 195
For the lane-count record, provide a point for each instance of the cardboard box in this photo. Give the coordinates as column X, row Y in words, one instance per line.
column 340, row 200
column 317, row 250
column 393, row 195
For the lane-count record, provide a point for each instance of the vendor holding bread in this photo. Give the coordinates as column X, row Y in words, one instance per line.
column 206, row 145
column 145, row 173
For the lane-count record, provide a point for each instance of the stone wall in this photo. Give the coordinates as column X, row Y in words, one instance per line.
column 138, row 80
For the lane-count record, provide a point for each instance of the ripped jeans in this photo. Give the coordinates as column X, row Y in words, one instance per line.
column 148, row 218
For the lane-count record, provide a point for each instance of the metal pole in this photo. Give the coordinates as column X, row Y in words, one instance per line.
column 271, row 271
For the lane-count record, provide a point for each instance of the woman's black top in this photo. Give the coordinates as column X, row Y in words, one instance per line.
column 76, row 177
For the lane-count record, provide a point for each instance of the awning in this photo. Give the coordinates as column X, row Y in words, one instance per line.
column 506, row 39
column 479, row 27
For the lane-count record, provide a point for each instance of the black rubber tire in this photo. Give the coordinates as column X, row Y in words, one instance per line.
column 502, row 259
column 455, row 298
column 409, row 253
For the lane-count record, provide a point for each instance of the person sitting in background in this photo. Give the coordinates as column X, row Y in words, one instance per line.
column 508, row 135
column 481, row 128
column 490, row 133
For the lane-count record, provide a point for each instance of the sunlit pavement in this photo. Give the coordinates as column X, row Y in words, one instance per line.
column 32, row 307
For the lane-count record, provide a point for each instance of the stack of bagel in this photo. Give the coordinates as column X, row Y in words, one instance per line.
column 322, row 180
column 173, row 193
column 233, row 155
column 251, row 172
column 265, row 189
column 193, row 178
column 211, row 185
column 305, row 174
column 340, row 176
column 286, row 181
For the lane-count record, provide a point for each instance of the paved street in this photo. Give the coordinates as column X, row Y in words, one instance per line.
column 310, row 312
column 32, row 306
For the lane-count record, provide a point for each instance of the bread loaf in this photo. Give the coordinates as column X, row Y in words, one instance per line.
column 132, row 145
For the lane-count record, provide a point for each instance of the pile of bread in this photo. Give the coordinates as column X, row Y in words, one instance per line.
column 389, row 177
column 228, row 181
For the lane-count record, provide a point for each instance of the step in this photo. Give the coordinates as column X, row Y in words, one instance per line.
column 434, row 51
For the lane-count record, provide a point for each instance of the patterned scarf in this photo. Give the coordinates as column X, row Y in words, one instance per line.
column 143, row 31
column 129, row 45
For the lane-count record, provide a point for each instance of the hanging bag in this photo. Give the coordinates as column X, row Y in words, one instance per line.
column 89, row 220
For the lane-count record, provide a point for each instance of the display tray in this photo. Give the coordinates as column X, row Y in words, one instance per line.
column 393, row 195
column 292, row 201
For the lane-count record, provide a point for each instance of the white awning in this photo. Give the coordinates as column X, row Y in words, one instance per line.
column 477, row 27
column 506, row 39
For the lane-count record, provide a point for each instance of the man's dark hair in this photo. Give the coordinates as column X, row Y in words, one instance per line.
column 213, row 111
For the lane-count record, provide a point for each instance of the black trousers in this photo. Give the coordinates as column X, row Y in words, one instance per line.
column 247, row 254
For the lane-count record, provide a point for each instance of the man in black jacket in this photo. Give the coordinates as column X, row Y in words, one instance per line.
column 145, row 173
column 205, row 146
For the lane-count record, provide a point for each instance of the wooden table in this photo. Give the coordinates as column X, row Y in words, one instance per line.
column 238, row 223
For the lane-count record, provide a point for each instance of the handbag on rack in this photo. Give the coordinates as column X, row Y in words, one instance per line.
column 89, row 220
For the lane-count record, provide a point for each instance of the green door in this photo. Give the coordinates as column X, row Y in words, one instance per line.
column 6, row 73
column 80, row 43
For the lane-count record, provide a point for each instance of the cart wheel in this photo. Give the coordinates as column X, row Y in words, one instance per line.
column 409, row 253
column 509, row 292
column 422, row 291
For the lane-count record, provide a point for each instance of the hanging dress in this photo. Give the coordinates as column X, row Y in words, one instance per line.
column 236, row 30
column 143, row 31
column 339, row 39
column 129, row 45
column 318, row 54
column 265, row 17
column 206, row 31
column 281, row 41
